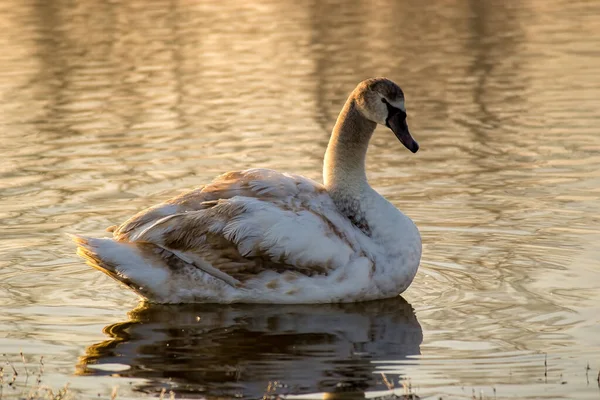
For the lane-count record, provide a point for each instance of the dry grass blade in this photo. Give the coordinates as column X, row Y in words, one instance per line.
column 15, row 373
column 24, row 363
column 390, row 385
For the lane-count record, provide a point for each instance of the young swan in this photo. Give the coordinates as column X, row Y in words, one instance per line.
column 267, row 237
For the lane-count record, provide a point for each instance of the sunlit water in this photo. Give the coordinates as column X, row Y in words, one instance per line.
column 110, row 107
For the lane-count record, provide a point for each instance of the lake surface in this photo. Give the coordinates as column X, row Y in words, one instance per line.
column 110, row 107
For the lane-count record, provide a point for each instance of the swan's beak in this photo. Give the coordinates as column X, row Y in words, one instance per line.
column 397, row 123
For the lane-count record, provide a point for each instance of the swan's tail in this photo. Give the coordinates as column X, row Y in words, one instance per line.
column 133, row 264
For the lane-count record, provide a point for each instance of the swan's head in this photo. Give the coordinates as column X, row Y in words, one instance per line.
column 382, row 101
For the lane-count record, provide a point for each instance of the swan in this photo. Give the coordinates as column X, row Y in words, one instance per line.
column 261, row 236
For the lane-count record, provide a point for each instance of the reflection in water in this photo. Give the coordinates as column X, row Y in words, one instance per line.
column 237, row 350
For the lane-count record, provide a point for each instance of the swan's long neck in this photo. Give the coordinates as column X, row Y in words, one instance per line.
column 344, row 167
column 345, row 179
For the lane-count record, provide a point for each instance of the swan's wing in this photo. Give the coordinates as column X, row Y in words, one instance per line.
column 247, row 223
column 256, row 183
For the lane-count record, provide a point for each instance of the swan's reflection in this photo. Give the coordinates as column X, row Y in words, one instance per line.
column 237, row 350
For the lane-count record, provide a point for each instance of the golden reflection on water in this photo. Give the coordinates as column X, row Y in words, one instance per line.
column 109, row 107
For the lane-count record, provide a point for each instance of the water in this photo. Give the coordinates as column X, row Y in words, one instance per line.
column 109, row 107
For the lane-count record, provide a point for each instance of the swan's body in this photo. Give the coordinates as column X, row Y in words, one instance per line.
column 263, row 236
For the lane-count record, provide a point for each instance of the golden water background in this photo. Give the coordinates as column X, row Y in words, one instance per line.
column 108, row 107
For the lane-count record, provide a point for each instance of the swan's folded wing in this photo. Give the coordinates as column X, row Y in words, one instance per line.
column 262, row 184
column 241, row 238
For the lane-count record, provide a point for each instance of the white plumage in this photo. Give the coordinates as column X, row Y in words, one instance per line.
column 263, row 236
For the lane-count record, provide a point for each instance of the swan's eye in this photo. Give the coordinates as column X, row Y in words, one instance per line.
column 393, row 110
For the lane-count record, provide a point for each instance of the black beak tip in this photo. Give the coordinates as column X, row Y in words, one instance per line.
column 415, row 147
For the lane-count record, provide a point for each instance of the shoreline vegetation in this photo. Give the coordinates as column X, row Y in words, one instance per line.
column 23, row 380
